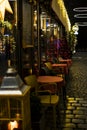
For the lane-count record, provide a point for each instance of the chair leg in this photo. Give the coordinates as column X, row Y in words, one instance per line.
column 62, row 94
column 54, row 116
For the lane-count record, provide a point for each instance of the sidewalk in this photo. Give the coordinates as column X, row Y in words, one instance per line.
column 74, row 115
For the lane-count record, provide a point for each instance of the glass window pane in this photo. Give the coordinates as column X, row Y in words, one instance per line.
column 15, row 108
column 4, row 108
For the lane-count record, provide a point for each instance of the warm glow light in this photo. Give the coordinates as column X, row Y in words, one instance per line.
column 11, row 92
column 12, row 125
column 76, row 33
column 64, row 15
column 75, row 27
column 59, row 8
column 4, row 5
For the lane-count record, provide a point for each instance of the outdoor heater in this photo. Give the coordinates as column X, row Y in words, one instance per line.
column 14, row 102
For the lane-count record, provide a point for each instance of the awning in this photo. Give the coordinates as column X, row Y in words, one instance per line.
column 60, row 10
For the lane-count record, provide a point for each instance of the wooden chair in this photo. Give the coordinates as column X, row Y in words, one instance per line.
column 49, row 70
column 58, row 71
column 47, row 98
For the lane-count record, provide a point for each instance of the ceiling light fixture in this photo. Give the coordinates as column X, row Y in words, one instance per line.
column 82, row 23
column 80, row 15
column 80, row 9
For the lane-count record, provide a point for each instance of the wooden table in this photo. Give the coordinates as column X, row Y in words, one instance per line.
column 54, row 79
column 68, row 61
column 49, row 79
column 63, row 66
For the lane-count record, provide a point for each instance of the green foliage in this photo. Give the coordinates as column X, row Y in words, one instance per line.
column 6, row 24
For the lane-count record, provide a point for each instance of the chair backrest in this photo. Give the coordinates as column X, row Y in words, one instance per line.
column 44, row 71
column 31, row 80
column 48, row 65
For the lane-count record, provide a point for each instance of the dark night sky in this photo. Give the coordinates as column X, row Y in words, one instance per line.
column 82, row 37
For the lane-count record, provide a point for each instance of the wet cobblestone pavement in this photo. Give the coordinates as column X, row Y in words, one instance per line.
column 74, row 115
column 77, row 81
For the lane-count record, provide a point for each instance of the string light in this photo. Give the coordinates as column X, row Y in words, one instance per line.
column 60, row 9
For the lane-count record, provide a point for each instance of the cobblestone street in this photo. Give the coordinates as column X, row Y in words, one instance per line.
column 77, row 82
column 74, row 115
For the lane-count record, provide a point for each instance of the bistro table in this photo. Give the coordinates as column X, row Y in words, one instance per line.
column 63, row 66
column 54, row 79
column 49, row 79
column 68, row 61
